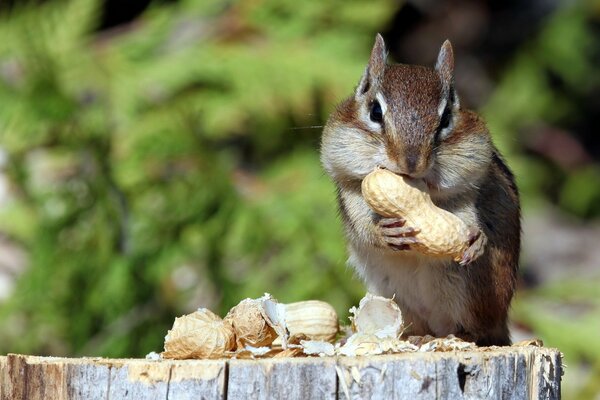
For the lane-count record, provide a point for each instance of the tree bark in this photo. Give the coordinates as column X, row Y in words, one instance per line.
column 526, row 372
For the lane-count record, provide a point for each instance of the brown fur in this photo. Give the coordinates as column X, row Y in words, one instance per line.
column 466, row 175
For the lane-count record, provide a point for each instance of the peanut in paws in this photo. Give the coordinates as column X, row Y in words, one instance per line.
column 440, row 233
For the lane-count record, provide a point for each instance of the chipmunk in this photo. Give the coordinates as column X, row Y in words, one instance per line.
column 408, row 119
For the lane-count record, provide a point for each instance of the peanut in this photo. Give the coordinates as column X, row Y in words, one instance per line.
column 249, row 324
column 315, row 319
column 201, row 334
column 441, row 233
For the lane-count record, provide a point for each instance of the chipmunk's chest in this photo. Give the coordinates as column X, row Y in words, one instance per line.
column 429, row 290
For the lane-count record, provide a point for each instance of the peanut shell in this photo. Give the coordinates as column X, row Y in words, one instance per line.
column 378, row 316
column 250, row 326
column 390, row 195
column 313, row 318
column 201, row 334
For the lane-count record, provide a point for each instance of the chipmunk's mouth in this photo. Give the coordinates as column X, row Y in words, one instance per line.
column 407, row 177
column 395, row 172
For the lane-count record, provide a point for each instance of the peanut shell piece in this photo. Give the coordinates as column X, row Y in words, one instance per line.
column 313, row 318
column 201, row 334
column 377, row 315
column 393, row 196
column 377, row 323
column 250, row 326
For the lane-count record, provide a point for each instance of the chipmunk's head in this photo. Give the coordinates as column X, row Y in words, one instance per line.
column 400, row 117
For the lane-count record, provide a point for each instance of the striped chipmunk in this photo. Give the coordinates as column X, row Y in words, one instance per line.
column 408, row 119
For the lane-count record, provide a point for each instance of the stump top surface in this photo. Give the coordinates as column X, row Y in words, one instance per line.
column 516, row 372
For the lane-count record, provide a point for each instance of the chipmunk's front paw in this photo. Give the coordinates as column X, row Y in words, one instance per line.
column 396, row 234
column 477, row 242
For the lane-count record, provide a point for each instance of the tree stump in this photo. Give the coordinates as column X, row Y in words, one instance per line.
column 526, row 372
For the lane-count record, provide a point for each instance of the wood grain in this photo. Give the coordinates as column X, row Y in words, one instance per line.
column 518, row 372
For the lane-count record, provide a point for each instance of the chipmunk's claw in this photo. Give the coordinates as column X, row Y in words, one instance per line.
column 477, row 242
column 397, row 235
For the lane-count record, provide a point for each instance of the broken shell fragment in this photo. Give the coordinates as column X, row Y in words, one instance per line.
column 250, row 352
column 201, row 334
column 274, row 313
column 289, row 352
column 363, row 344
column 377, row 324
column 250, row 326
column 449, row 343
column 441, row 233
column 317, row 347
column 377, row 316
column 315, row 319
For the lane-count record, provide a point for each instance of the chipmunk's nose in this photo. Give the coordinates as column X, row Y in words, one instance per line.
column 411, row 163
column 408, row 160
column 414, row 163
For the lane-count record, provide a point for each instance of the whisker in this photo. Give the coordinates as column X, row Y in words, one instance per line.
column 436, row 148
column 307, row 127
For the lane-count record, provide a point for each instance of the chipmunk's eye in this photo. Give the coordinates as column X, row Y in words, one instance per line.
column 376, row 113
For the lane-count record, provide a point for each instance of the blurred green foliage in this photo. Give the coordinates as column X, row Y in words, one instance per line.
column 156, row 170
column 173, row 163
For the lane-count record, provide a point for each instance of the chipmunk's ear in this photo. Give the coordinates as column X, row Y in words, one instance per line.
column 374, row 72
column 445, row 65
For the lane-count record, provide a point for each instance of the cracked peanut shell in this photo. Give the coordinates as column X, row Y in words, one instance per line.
column 201, row 334
column 249, row 323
